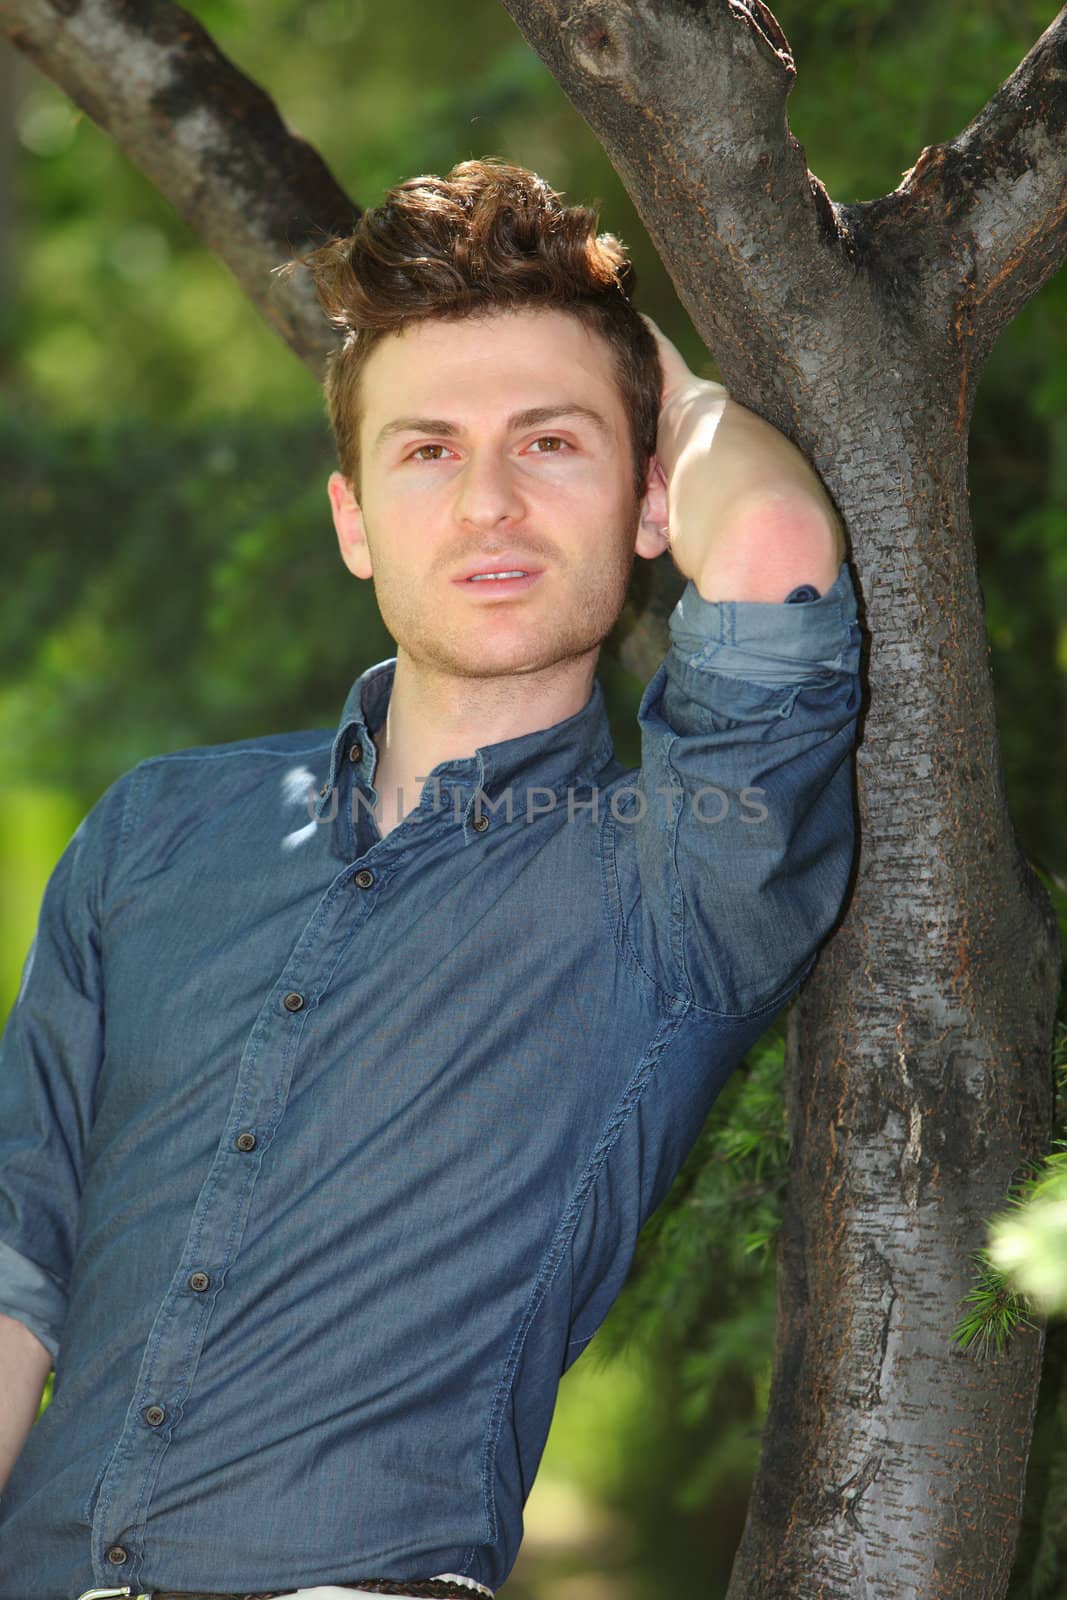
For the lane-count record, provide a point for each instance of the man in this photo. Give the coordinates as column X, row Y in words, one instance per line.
column 325, row 1140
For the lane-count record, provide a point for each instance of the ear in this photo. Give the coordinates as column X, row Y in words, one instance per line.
column 348, row 521
column 653, row 533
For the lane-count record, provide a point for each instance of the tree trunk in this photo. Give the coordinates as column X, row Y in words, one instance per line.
column 919, row 1062
column 918, row 1068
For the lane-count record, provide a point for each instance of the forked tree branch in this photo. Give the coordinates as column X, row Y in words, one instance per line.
column 689, row 101
column 690, row 104
column 985, row 214
column 208, row 137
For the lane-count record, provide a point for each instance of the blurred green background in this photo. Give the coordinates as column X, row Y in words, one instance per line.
column 172, row 578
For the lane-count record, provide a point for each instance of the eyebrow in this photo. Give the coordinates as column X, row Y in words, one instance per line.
column 533, row 417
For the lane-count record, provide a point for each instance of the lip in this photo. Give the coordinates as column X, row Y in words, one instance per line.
column 498, row 585
column 507, row 561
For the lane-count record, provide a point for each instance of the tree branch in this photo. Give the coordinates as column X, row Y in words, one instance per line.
column 984, row 215
column 208, row 138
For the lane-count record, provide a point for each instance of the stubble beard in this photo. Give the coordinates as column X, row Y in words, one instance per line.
column 458, row 638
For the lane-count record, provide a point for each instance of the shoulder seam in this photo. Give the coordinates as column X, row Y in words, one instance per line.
column 211, row 753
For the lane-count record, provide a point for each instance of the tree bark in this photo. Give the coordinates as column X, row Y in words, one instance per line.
column 919, row 1073
column 919, row 1061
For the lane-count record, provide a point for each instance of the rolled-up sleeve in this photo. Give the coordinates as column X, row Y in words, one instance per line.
column 745, row 836
column 50, row 1055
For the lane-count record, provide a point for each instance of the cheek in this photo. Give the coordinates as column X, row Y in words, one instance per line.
column 382, row 504
column 395, row 524
column 586, row 486
column 609, row 505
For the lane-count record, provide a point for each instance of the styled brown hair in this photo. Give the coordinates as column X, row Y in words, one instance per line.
column 488, row 237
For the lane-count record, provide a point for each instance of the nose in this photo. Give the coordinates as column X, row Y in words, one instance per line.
column 487, row 492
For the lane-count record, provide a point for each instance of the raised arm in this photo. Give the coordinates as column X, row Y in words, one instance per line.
column 748, row 517
column 741, row 835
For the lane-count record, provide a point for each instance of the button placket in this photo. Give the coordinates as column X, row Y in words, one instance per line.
column 211, row 1232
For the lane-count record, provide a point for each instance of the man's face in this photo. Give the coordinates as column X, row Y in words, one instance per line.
column 498, row 436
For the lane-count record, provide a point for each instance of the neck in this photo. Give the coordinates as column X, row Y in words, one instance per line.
column 435, row 716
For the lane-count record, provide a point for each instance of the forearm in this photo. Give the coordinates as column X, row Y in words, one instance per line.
column 748, row 516
column 24, row 1368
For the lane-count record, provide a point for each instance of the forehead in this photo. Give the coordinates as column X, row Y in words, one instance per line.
column 488, row 361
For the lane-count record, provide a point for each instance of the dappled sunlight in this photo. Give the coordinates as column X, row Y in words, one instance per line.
column 576, row 1545
column 573, row 1548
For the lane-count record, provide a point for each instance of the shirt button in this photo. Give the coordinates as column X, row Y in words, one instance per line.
column 364, row 878
column 245, row 1141
column 293, row 1001
column 117, row 1555
column 481, row 823
column 154, row 1415
column 356, row 752
column 199, row 1281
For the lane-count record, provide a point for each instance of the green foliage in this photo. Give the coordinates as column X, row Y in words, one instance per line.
column 1024, row 1264
column 698, row 1313
column 46, row 1396
column 1041, row 1563
column 695, row 1326
column 897, row 77
column 1040, row 1571
column 997, row 1311
column 187, row 581
column 717, row 1224
column 1029, row 1247
column 999, row 1306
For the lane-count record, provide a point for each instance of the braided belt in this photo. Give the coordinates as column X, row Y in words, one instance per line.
column 420, row 1588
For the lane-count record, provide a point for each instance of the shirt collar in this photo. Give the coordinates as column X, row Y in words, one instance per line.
column 570, row 752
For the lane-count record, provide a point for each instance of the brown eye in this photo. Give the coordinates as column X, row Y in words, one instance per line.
column 416, row 454
column 549, row 438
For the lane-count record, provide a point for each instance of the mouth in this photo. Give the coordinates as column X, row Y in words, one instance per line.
column 493, row 585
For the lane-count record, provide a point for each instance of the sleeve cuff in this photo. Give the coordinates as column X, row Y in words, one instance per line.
column 33, row 1297
column 765, row 641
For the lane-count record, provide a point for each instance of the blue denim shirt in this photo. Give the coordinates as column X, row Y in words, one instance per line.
column 322, row 1155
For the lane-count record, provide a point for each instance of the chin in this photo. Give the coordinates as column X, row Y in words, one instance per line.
column 496, row 658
